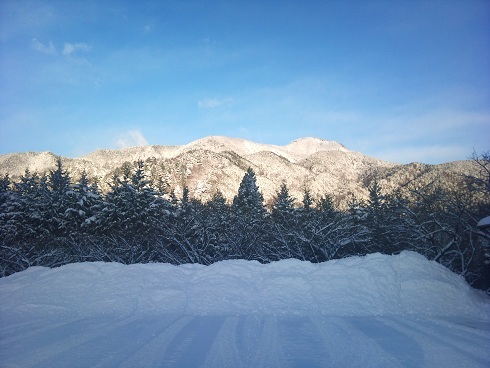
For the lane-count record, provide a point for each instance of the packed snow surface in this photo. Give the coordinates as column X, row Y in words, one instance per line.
column 373, row 311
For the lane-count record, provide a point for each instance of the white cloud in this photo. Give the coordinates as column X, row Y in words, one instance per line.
column 70, row 48
column 131, row 138
column 41, row 47
column 424, row 153
column 213, row 103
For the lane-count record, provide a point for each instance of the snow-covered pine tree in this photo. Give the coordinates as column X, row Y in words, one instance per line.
column 32, row 213
column 247, row 235
column 217, row 222
column 249, row 201
column 132, row 205
column 185, row 233
column 85, row 204
column 12, row 258
column 59, row 193
column 382, row 221
column 284, row 241
column 307, row 200
column 9, row 210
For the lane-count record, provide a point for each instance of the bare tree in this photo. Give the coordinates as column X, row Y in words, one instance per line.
column 480, row 181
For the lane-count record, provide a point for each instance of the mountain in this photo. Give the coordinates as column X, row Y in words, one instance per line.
column 219, row 163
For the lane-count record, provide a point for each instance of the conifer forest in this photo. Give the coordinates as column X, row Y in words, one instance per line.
column 52, row 220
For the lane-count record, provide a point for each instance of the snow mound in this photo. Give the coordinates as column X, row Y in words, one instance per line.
column 358, row 286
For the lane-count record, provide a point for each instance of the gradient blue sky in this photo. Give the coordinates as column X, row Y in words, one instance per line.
column 399, row 80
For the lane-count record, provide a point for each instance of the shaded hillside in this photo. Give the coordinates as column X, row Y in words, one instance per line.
column 216, row 164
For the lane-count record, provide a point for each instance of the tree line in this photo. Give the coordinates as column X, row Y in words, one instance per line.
column 48, row 220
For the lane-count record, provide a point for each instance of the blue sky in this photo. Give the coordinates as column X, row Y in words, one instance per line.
column 399, row 80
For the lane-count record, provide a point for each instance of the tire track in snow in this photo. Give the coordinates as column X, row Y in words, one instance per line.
column 14, row 331
column 302, row 343
column 191, row 345
column 249, row 341
column 144, row 332
column 267, row 352
column 349, row 346
column 393, row 341
column 85, row 340
column 154, row 353
column 447, row 343
column 44, row 343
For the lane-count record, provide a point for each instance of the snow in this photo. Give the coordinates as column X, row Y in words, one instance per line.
column 372, row 311
column 484, row 222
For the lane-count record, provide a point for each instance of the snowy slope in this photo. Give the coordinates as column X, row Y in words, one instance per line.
column 294, row 151
column 378, row 310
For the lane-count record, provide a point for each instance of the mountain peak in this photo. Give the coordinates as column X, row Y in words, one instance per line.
column 294, row 151
column 314, row 140
column 303, row 147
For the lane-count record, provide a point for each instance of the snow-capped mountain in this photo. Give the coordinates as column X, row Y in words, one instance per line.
column 218, row 163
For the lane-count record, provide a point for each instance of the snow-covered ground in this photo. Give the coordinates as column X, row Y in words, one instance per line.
column 373, row 311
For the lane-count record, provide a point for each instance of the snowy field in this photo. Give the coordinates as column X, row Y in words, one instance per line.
column 373, row 311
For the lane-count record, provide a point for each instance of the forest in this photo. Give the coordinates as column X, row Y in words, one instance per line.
column 51, row 220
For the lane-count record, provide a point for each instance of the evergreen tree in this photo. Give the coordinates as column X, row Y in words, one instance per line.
column 249, row 200
column 326, row 206
column 285, row 227
column 59, row 192
column 307, row 200
column 215, row 224
column 34, row 210
column 283, row 205
column 132, row 205
column 247, row 235
column 380, row 219
column 9, row 209
column 185, row 233
column 58, row 180
column 85, row 204
column 5, row 184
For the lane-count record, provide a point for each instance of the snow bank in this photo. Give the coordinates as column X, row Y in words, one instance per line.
column 358, row 286
column 484, row 222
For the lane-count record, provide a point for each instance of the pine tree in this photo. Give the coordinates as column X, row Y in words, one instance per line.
column 216, row 221
column 380, row 221
column 132, row 205
column 326, row 206
column 59, row 192
column 59, row 180
column 285, row 226
column 33, row 207
column 249, row 200
column 84, row 208
column 307, row 200
column 283, row 204
column 9, row 209
column 247, row 236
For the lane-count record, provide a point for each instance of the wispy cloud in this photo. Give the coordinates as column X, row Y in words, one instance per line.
column 426, row 153
column 213, row 103
column 434, row 136
column 49, row 48
column 131, row 138
column 70, row 48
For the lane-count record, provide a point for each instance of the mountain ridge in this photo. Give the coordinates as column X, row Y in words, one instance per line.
column 218, row 163
column 218, row 144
